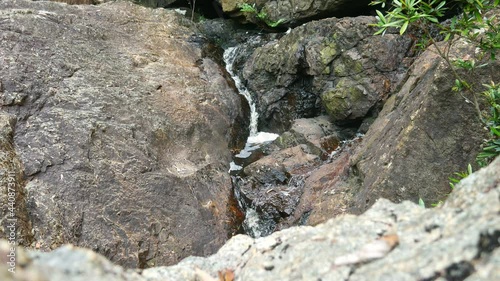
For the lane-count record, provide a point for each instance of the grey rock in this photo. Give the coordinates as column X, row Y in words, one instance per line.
column 122, row 133
column 154, row 3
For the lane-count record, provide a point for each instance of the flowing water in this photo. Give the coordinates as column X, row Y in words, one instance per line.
column 252, row 224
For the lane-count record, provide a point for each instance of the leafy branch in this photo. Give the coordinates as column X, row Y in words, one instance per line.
column 472, row 25
column 260, row 15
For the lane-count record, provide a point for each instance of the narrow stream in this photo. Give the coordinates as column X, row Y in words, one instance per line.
column 252, row 224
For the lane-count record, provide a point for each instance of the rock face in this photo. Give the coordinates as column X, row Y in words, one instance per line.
column 424, row 134
column 291, row 13
column 459, row 241
column 122, row 132
column 333, row 64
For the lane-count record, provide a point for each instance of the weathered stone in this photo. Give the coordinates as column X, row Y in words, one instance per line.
column 122, row 130
column 458, row 241
column 332, row 64
column 424, row 134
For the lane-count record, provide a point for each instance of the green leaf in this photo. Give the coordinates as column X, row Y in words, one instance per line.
column 380, row 31
column 247, row 8
column 275, row 23
column 441, row 5
column 432, row 19
column 421, row 202
column 403, row 28
column 381, row 16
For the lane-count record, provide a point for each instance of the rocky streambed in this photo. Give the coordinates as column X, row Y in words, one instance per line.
column 126, row 130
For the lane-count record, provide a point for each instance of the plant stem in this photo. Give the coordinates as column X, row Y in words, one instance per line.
column 455, row 73
column 192, row 10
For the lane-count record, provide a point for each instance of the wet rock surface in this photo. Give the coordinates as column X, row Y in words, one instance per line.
column 122, row 133
column 458, row 241
column 271, row 187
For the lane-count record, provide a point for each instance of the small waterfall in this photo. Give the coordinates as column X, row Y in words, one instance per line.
column 256, row 138
column 252, row 223
column 229, row 58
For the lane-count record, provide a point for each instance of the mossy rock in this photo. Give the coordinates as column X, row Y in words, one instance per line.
column 340, row 101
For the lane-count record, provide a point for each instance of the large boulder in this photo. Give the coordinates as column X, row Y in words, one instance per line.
column 459, row 241
column 122, row 133
column 424, row 134
column 292, row 13
column 333, row 65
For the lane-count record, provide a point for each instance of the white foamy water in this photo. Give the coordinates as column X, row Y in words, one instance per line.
column 229, row 57
column 262, row 137
column 256, row 138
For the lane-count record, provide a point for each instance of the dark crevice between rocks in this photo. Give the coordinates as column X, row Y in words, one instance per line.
column 236, row 216
column 209, row 9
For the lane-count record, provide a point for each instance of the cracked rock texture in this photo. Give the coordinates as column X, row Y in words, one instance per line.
column 458, row 241
column 117, row 127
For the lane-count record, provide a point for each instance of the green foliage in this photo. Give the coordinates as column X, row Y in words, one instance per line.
column 201, row 18
column 260, row 15
column 491, row 147
column 438, row 204
column 460, row 176
column 406, row 12
column 247, row 8
column 491, row 41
